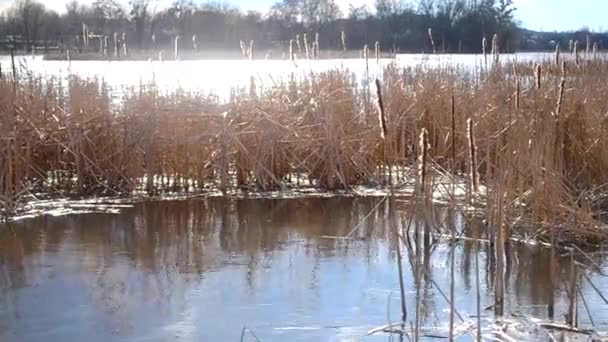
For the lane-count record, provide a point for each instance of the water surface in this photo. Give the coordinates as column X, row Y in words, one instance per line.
column 201, row 270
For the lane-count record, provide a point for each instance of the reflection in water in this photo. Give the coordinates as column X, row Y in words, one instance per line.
column 201, row 270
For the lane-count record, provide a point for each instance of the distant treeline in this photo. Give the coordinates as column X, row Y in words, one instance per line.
column 423, row 25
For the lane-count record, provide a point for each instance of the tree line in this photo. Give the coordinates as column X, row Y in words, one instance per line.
column 419, row 26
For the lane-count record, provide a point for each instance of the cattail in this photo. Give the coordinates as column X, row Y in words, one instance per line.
column 343, row 38
column 125, row 44
column 560, row 97
column 564, row 69
column 484, row 50
column 291, row 52
column 595, row 50
column 85, row 35
column 423, row 147
column 298, row 43
column 105, row 46
column 116, row 45
column 588, row 46
column 381, row 113
column 571, row 45
column 316, row 51
column 472, row 156
column 177, row 48
column 377, row 46
column 495, row 48
column 244, row 49
column 306, row 50
column 557, row 54
column 432, row 41
column 576, row 59
column 537, row 75
column 251, row 54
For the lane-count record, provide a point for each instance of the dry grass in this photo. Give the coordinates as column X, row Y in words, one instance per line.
column 541, row 137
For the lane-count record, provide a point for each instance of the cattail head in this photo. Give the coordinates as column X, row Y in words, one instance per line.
column 537, row 75
column 560, row 97
column 381, row 112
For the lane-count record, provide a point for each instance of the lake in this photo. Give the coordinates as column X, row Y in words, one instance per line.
column 219, row 77
column 203, row 270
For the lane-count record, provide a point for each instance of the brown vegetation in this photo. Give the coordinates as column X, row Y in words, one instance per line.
column 540, row 143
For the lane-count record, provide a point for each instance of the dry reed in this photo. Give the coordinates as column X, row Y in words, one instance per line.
column 74, row 140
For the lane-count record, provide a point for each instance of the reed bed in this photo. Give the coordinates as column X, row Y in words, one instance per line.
column 539, row 137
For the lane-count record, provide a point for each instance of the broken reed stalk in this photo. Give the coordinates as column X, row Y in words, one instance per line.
column 557, row 52
column 377, row 49
column 343, row 39
column 381, row 113
column 517, row 94
column 452, row 215
column 571, row 318
column 538, row 75
column 399, row 267
column 430, row 31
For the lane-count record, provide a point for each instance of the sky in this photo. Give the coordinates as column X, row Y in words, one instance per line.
column 548, row 15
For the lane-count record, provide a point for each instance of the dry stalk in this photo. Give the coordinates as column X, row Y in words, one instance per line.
column 377, row 48
column 343, row 39
column 473, row 176
column 557, row 52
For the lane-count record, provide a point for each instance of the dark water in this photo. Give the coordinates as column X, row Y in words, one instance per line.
column 202, row 270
